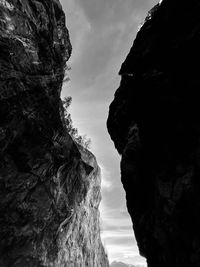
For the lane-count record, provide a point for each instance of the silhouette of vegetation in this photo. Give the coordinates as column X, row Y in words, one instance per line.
column 82, row 140
column 66, row 77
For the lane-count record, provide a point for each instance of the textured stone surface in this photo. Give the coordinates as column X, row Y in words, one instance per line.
column 155, row 125
column 49, row 186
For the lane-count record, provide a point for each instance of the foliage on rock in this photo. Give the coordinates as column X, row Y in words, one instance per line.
column 82, row 140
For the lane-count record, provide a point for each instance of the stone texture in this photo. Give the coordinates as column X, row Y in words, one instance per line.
column 49, row 186
column 154, row 123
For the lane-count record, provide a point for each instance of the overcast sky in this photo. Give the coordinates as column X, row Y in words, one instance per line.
column 102, row 33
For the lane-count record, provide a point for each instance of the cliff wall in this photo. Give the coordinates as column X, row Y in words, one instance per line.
column 49, row 185
column 154, row 123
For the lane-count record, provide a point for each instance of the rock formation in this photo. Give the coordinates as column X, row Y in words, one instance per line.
column 155, row 125
column 49, row 185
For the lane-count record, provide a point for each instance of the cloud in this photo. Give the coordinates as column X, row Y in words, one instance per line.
column 100, row 32
column 79, row 27
column 117, row 235
column 122, row 264
column 125, row 254
column 106, row 183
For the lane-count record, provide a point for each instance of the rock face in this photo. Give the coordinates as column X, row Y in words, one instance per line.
column 49, row 186
column 155, row 125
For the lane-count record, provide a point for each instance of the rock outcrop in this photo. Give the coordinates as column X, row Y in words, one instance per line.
column 155, row 125
column 49, row 185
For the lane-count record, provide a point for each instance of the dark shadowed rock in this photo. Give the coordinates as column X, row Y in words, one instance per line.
column 49, row 186
column 155, row 125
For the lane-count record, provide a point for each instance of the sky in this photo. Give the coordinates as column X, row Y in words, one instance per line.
column 102, row 33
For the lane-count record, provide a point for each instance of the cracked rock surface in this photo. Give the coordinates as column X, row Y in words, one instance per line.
column 155, row 125
column 49, row 185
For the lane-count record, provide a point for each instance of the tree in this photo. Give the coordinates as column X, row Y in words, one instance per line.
column 84, row 141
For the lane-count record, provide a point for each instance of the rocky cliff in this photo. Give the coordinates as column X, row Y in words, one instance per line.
column 49, row 185
column 155, row 125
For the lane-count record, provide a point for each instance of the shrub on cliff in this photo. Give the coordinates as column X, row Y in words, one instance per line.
column 82, row 140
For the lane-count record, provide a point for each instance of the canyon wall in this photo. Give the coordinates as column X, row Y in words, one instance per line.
column 155, row 125
column 49, row 185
